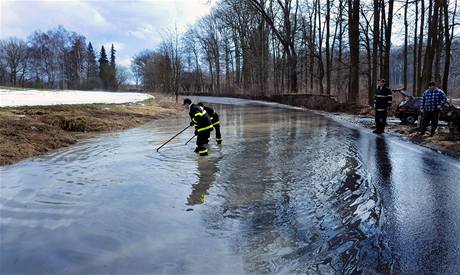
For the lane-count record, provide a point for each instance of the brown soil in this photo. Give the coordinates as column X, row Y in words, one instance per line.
column 32, row 131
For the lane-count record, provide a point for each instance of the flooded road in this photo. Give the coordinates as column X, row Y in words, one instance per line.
column 289, row 191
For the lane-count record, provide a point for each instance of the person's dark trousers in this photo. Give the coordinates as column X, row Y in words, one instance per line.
column 380, row 120
column 201, row 141
column 218, row 136
column 431, row 118
column 209, row 137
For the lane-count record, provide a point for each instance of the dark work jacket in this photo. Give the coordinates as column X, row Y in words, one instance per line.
column 382, row 98
column 200, row 118
column 212, row 114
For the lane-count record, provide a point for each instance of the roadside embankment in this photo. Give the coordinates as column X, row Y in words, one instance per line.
column 35, row 130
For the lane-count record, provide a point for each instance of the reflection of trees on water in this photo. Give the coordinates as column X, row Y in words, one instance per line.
column 294, row 183
column 439, row 246
column 383, row 162
column 265, row 176
column 301, row 191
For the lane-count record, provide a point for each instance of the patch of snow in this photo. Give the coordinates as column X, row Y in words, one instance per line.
column 12, row 98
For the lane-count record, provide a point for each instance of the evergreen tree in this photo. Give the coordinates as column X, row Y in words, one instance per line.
column 104, row 68
column 112, row 73
column 91, row 67
column 112, row 56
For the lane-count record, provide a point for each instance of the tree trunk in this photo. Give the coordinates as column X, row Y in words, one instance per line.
column 388, row 28
column 382, row 39
column 353, row 36
column 448, row 38
column 437, row 48
column 432, row 40
column 406, row 34
column 312, row 48
column 340, row 53
column 375, row 48
column 320, row 51
column 328, row 60
column 414, row 65
column 420, row 86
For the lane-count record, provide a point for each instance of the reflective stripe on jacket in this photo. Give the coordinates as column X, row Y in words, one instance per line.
column 382, row 98
column 200, row 118
column 212, row 114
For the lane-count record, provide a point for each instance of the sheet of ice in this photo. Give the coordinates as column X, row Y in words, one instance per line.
column 49, row 97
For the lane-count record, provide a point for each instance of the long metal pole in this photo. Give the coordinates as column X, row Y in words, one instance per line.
column 173, row 138
column 190, row 140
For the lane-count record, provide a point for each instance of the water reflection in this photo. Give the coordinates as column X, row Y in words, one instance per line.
column 288, row 192
column 207, row 170
column 383, row 162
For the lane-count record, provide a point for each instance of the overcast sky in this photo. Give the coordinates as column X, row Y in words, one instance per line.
column 129, row 25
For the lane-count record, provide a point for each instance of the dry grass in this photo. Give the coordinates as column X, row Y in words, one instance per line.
column 31, row 131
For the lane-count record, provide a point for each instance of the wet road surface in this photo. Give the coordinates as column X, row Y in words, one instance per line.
column 289, row 191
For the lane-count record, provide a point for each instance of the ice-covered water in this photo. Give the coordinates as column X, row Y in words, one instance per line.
column 289, row 191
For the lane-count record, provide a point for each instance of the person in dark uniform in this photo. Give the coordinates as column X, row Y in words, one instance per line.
column 382, row 100
column 203, row 126
column 215, row 121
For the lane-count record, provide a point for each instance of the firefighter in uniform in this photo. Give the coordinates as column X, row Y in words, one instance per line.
column 203, row 126
column 215, row 121
column 382, row 100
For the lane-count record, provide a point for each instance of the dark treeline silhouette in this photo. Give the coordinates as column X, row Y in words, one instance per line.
column 261, row 48
column 57, row 59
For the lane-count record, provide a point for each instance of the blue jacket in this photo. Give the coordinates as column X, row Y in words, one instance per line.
column 432, row 99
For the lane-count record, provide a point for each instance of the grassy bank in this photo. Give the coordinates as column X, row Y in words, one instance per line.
column 32, row 131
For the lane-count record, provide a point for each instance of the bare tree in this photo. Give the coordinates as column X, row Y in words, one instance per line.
column 261, row 48
column 287, row 36
column 353, row 37
column 418, row 90
column 406, row 38
column 388, row 24
column 140, row 68
column 122, row 76
column 448, row 36
column 375, row 49
column 13, row 53
column 171, row 51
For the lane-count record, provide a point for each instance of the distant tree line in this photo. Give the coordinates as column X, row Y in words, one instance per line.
column 58, row 59
column 160, row 69
column 332, row 48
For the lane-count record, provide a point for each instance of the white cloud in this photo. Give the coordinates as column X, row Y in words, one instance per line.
column 125, row 62
column 130, row 25
column 119, row 46
column 144, row 31
column 31, row 15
